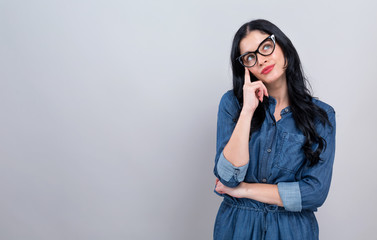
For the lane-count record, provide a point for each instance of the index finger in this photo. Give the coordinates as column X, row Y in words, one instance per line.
column 247, row 76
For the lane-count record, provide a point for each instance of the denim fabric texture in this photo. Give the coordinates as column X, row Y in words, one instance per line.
column 226, row 170
column 276, row 157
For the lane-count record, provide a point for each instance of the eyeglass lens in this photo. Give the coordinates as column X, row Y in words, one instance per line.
column 265, row 49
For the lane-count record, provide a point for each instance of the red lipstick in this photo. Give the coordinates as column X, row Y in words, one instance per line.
column 267, row 69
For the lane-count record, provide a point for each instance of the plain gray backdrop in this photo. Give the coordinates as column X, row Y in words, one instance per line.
column 109, row 110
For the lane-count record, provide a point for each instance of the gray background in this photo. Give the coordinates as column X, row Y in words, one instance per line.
column 109, row 108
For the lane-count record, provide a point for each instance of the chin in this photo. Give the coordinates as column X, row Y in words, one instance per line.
column 269, row 79
column 272, row 78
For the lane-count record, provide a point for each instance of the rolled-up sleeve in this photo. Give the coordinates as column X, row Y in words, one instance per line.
column 290, row 195
column 227, row 170
column 228, row 113
column 311, row 191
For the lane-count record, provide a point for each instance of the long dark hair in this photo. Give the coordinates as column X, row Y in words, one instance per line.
column 304, row 111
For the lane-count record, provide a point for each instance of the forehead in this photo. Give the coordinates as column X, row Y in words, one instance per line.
column 252, row 41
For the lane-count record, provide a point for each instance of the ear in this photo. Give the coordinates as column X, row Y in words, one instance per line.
column 286, row 62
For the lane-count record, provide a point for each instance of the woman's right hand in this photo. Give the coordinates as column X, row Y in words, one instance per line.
column 253, row 92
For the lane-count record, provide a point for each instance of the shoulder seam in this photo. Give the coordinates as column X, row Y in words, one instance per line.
column 330, row 110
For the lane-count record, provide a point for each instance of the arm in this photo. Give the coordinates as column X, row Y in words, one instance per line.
column 236, row 150
column 232, row 146
column 308, row 193
column 311, row 191
column 262, row 192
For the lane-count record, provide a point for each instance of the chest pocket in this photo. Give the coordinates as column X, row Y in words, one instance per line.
column 290, row 155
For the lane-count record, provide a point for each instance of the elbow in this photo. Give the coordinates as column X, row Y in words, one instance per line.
column 298, row 196
column 232, row 183
column 224, row 179
column 315, row 196
column 228, row 174
column 229, row 181
column 317, row 200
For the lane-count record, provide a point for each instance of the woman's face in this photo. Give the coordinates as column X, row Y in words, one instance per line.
column 249, row 44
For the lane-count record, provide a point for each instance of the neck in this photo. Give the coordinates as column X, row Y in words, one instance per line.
column 279, row 91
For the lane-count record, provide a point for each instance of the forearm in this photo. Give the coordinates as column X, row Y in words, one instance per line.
column 262, row 192
column 236, row 150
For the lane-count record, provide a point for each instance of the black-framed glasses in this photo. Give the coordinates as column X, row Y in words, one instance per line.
column 265, row 48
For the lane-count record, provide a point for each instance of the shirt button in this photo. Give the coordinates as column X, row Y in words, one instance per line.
column 264, row 180
column 286, row 110
column 269, row 150
column 273, row 124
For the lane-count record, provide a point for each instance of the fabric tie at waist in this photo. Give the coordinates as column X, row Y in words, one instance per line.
column 260, row 207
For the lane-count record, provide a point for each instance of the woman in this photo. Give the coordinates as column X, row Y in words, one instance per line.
column 275, row 142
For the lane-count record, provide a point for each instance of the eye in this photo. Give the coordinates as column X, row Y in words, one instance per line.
column 249, row 58
column 267, row 46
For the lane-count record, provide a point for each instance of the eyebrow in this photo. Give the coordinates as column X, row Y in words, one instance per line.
column 248, row 52
column 257, row 47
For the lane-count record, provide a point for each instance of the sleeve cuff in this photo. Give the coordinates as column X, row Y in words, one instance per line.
column 226, row 170
column 290, row 195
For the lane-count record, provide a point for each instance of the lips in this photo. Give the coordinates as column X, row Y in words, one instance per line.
column 267, row 69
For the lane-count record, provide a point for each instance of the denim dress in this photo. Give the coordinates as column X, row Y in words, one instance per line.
column 276, row 157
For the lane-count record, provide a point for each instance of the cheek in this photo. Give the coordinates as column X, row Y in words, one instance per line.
column 255, row 73
column 283, row 64
column 280, row 59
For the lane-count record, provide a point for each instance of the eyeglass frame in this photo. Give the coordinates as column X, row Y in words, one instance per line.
column 272, row 37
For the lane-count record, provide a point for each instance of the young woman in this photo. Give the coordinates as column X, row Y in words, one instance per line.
column 275, row 142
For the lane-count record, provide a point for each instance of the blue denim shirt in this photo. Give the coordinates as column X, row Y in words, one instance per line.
column 276, row 156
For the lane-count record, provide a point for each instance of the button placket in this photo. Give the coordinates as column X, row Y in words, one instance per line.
column 267, row 157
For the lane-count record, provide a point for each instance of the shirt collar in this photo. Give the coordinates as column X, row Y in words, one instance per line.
column 272, row 104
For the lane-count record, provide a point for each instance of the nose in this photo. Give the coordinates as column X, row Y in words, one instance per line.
column 262, row 59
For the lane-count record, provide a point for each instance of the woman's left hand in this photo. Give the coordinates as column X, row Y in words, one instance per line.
column 238, row 192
